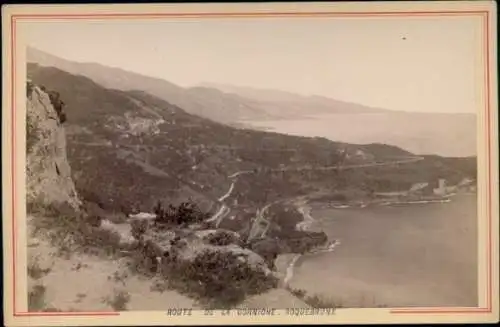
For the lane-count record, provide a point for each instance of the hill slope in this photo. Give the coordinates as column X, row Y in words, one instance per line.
column 206, row 102
column 219, row 103
column 130, row 149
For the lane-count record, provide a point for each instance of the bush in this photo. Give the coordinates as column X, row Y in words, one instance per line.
column 72, row 231
column 119, row 301
column 139, row 228
column 220, row 278
column 298, row 293
column 58, row 104
column 221, row 238
column 185, row 214
column 36, row 298
column 320, row 302
column 36, row 272
column 29, row 88
column 314, row 301
column 31, row 133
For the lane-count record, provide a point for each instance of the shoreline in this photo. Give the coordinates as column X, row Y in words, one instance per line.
column 391, row 202
column 305, row 225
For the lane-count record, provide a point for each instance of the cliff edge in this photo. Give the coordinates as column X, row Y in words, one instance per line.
column 48, row 174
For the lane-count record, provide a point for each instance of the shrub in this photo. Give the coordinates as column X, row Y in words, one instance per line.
column 36, row 298
column 29, row 88
column 119, row 300
column 72, row 231
column 315, row 301
column 139, row 227
column 220, row 278
column 58, row 104
column 298, row 293
column 185, row 214
column 36, row 272
column 31, row 133
column 221, row 238
column 321, row 302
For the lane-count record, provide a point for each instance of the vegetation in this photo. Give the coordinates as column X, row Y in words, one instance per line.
column 35, row 271
column 137, row 167
column 119, row 300
column 31, row 134
column 222, row 238
column 58, row 104
column 315, row 301
column 36, row 298
column 185, row 214
column 220, row 279
column 71, row 231
column 29, row 89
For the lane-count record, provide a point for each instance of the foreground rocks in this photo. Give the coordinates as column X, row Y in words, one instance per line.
column 210, row 265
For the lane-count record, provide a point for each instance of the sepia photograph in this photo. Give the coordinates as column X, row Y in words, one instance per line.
column 250, row 161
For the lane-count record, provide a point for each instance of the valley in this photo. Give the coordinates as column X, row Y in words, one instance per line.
column 133, row 153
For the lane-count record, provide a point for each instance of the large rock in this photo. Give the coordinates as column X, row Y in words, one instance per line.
column 48, row 174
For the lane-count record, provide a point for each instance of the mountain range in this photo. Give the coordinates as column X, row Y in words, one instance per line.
column 218, row 102
column 129, row 149
column 287, row 112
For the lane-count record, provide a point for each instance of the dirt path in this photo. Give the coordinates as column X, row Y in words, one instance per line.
column 91, row 283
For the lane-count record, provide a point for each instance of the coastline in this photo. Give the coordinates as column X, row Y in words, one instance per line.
column 380, row 262
column 292, row 259
column 305, row 225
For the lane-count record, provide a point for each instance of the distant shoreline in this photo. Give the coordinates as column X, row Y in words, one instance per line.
column 306, row 224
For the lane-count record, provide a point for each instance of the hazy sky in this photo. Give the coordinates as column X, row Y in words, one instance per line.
column 410, row 64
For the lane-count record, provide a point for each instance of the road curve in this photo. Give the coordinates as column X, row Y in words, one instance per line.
column 224, row 210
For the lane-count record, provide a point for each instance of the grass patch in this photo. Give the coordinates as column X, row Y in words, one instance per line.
column 73, row 232
column 320, row 302
column 315, row 301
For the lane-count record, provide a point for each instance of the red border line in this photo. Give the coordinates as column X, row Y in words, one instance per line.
column 483, row 13
column 12, row 162
column 488, row 139
column 66, row 314
column 255, row 14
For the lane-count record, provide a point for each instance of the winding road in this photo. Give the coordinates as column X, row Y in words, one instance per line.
column 260, row 217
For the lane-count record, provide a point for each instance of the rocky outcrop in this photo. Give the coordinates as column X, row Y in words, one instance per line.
column 48, row 174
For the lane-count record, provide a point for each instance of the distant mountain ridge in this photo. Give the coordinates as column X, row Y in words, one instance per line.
column 222, row 104
column 284, row 112
column 311, row 104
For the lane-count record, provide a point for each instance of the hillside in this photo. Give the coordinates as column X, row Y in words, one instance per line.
column 286, row 112
column 220, row 103
column 136, row 264
column 206, row 102
column 130, row 149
